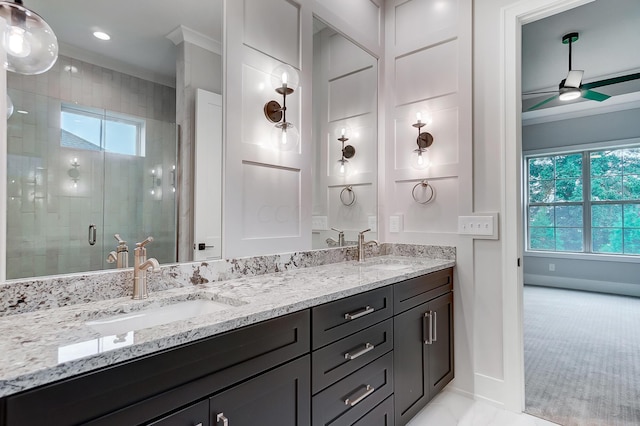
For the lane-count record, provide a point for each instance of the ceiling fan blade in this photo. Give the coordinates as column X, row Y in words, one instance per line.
column 574, row 78
column 594, row 96
column 546, row 92
column 609, row 81
column 538, row 105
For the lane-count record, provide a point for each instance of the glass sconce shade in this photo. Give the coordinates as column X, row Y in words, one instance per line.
column 284, row 76
column 421, row 160
column 29, row 42
column 285, row 136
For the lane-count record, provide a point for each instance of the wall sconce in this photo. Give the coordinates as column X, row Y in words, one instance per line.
column 285, row 136
column 173, row 178
column 30, row 44
column 74, row 173
column 156, row 182
column 424, row 141
column 347, row 152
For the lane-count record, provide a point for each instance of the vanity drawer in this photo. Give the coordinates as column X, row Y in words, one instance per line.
column 382, row 415
column 335, row 320
column 415, row 291
column 337, row 360
column 352, row 397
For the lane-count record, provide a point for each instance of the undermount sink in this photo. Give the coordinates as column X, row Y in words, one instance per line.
column 383, row 264
column 156, row 315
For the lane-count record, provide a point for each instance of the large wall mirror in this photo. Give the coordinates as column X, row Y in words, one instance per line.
column 93, row 143
column 345, row 135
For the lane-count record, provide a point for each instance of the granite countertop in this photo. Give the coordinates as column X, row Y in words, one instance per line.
column 47, row 345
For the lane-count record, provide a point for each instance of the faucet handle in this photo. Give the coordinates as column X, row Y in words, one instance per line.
column 366, row 230
column 145, row 242
column 118, row 239
column 337, row 230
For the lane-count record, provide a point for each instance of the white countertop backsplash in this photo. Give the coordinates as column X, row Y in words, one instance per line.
column 43, row 321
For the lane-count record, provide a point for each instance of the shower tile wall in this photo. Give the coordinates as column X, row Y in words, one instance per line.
column 48, row 218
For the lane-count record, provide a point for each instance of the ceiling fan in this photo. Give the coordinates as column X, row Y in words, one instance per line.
column 572, row 88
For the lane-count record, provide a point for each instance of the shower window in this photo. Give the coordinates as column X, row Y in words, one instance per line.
column 94, row 130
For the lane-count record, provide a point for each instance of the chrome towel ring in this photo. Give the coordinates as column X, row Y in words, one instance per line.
column 350, row 197
column 429, row 193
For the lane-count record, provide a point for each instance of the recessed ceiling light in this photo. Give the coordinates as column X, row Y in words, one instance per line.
column 101, row 35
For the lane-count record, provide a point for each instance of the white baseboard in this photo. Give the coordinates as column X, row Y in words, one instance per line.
column 624, row 289
column 490, row 390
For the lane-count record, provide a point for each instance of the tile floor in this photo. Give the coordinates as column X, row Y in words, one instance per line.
column 450, row 409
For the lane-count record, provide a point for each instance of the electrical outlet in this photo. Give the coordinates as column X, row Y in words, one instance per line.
column 552, row 267
column 395, row 223
column 319, row 223
column 372, row 222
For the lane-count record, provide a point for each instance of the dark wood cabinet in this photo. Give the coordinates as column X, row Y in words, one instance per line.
column 194, row 415
column 423, row 354
column 280, row 397
column 382, row 415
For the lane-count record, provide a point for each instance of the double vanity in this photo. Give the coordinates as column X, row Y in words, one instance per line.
column 312, row 338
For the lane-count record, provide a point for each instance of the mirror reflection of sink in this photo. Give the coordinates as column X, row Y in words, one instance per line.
column 156, row 315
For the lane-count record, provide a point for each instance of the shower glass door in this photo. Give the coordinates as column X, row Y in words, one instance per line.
column 77, row 175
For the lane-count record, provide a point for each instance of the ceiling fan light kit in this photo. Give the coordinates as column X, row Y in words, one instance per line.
column 571, row 87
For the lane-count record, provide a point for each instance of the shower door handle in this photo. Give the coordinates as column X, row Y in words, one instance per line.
column 92, row 234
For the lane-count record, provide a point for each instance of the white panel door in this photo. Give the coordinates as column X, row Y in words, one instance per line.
column 207, row 221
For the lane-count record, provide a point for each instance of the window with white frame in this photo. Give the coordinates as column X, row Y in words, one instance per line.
column 99, row 130
column 584, row 202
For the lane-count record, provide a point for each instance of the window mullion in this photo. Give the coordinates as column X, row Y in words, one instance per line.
column 586, row 198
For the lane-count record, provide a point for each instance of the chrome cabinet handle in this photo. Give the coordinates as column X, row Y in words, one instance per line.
column 365, row 311
column 368, row 390
column 221, row 418
column 92, row 234
column 367, row 347
column 427, row 328
column 435, row 326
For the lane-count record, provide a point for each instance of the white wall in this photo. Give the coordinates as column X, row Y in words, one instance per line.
column 267, row 192
column 428, row 68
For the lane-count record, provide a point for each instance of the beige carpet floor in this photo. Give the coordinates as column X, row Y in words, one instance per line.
column 582, row 357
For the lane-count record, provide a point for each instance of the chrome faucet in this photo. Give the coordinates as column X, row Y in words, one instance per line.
column 362, row 244
column 340, row 241
column 121, row 254
column 140, row 267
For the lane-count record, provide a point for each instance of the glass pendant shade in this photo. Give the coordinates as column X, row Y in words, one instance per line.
column 29, row 42
column 9, row 107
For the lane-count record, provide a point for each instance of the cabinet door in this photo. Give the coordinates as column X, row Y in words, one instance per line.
column 280, row 397
column 194, row 415
column 441, row 350
column 410, row 369
column 423, row 355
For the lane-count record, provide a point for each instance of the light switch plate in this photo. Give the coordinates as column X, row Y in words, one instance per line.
column 395, row 223
column 481, row 225
column 319, row 223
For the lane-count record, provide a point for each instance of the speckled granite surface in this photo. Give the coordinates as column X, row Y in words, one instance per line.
column 45, row 345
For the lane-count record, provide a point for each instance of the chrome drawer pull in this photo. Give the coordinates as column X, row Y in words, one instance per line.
column 367, row 310
column 427, row 328
column 221, row 418
column 367, row 391
column 367, row 347
column 435, row 326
